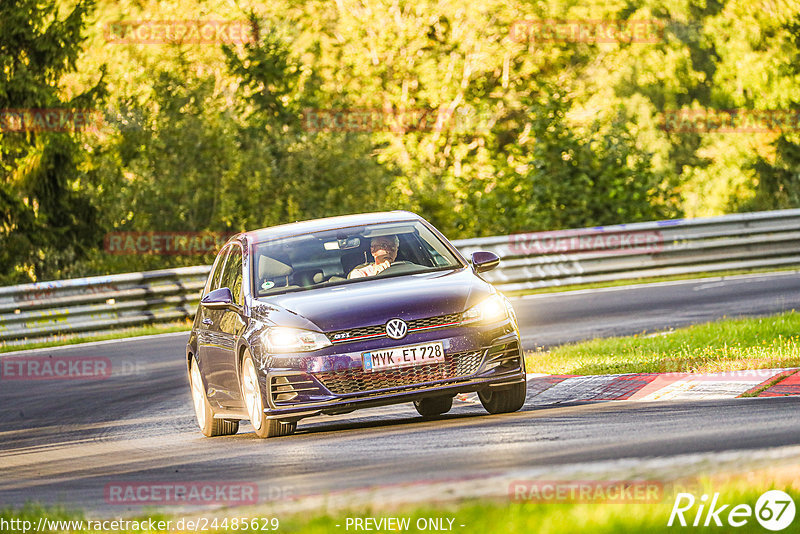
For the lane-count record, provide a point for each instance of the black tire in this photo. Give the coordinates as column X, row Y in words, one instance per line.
column 209, row 426
column 503, row 400
column 433, row 406
column 254, row 403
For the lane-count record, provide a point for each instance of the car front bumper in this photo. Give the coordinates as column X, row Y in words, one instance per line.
column 475, row 360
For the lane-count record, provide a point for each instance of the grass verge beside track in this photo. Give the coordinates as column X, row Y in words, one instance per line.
column 543, row 517
column 73, row 339
column 725, row 345
column 608, row 515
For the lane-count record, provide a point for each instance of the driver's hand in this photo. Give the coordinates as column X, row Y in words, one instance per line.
column 374, row 269
column 370, row 270
column 382, row 266
column 381, row 257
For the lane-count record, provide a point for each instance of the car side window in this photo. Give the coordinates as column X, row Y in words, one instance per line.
column 232, row 274
column 216, row 274
column 433, row 258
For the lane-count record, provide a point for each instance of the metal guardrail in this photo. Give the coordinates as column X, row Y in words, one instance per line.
column 100, row 303
column 639, row 250
column 529, row 261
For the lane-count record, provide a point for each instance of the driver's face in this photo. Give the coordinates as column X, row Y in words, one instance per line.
column 383, row 249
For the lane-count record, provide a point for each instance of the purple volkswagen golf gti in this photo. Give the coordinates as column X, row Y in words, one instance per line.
column 332, row 315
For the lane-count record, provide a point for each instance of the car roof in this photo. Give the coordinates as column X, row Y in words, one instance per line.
column 328, row 223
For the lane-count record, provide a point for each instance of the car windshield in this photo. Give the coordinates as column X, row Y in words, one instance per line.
column 345, row 255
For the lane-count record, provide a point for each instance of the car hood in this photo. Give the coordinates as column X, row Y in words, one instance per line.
column 373, row 302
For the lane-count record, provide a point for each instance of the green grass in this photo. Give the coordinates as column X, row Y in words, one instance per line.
column 504, row 516
column 550, row 518
column 71, row 339
column 647, row 280
column 726, row 345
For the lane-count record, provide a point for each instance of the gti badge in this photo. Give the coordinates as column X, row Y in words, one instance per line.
column 396, row 329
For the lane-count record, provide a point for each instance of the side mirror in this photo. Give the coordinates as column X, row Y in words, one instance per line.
column 484, row 261
column 218, row 299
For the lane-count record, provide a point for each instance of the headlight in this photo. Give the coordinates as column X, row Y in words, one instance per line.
column 491, row 310
column 285, row 339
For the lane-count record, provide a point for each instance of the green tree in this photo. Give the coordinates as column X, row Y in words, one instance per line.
column 778, row 178
column 536, row 135
column 224, row 150
column 47, row 221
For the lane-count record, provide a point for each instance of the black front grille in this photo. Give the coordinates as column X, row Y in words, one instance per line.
column 507, row 355
column 434, row 321
column 284, row 388
column 379, row 330
column 356, row 380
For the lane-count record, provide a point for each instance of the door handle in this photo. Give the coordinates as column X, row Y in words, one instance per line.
column 208, row 321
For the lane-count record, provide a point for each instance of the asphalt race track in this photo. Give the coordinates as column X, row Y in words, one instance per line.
column 64, row 441
column 554, row 319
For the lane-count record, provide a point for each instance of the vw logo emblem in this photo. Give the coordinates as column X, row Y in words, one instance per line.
column 396, row 329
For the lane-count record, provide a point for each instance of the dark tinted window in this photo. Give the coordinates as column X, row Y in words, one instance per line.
column 232, row 273
column 216, row 273
column 328, row 257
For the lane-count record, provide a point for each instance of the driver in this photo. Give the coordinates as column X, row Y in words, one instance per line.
column 384, row 250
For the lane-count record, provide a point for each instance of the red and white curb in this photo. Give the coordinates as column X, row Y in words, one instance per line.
column 558, row 389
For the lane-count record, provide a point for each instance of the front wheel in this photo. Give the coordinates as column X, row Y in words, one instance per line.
column 253, row 401
column 202, row 408
column 503, row 400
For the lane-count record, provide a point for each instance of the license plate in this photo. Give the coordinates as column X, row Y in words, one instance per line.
column 378, row 360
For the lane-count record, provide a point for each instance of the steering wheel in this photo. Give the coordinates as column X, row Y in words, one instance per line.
column 400, row 267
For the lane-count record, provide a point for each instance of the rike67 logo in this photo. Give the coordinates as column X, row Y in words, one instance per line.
column 774, row 511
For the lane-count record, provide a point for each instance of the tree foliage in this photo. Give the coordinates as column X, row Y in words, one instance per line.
column 531, row 134
column 47, row 221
